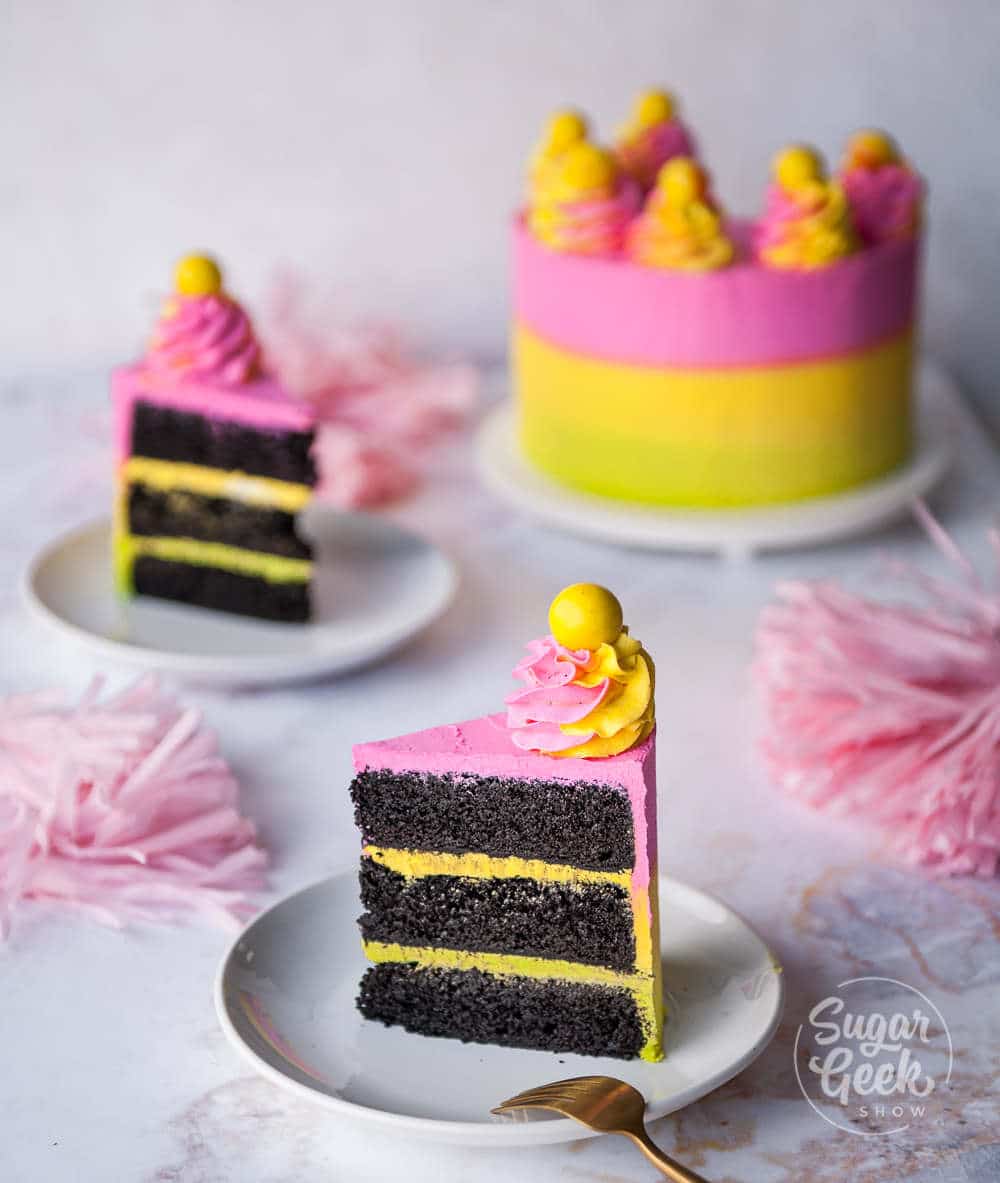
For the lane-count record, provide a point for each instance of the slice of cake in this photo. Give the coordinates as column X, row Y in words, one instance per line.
column 508, row 869
column 214, row 464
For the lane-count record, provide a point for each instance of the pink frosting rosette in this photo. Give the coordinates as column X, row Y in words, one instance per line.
column 643, row 155
column 885, row 202
column 551, row 697
column 204, row 339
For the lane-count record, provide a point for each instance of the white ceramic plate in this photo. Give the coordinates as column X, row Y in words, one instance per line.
column 730, row 531
column 285, row 997
column 376, row 586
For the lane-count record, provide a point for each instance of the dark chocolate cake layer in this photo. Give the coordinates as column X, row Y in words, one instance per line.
column 162, row 433
column 589, row 923
column 511, row 1011
column 582, row 825
column 210, row 587
column 178, row 513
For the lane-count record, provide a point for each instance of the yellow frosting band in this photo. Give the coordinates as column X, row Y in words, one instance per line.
column 712, row 438
column 214, row 482
column 272, row 568
column 518, row 965
column 417, row 863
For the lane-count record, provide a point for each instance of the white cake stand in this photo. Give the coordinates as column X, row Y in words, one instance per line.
column 733, row 532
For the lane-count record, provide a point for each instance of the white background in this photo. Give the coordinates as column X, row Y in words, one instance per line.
column 378, row 146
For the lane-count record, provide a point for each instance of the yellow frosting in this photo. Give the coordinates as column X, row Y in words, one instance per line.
column 584, row 172
column 273, row 568
column 475, row 865
column 641, row 986
column 564, row 129
column 678, row 229
column 167, row 475
column 822, row 234
column 627, row 714
column 711, row 438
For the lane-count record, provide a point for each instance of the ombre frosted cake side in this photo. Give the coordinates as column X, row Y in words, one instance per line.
column 733, row 363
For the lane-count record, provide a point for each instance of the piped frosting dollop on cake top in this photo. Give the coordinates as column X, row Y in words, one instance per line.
column 203, row 335
column 587, row 686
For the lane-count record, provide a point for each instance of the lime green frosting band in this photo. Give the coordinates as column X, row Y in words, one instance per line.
column 640, row 986
column 272, row 568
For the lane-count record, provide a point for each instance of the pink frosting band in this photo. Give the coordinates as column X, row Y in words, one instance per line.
column 551, row 697
column 742, row 315
column 204, row 339
column 885, row 202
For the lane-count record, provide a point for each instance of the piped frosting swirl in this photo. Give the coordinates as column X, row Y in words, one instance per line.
column 203, row 335
column 585, row 702
column 883, row 191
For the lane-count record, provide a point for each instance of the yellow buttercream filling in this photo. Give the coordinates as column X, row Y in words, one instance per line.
column 214, row 482
column 417, row 863
column 273, row 568
column 518, row 965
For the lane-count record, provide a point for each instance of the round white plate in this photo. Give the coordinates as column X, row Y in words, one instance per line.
column 376, row 586
column 285, row 997
column 731, row 531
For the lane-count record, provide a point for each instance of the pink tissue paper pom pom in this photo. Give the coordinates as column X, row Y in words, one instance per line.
column 381, row 410
column 890, row 712
column 122, row 808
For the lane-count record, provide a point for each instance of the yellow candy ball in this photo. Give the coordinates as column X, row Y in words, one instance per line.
column 653, row 107
column 798, row 166
column 584, row 616
column 681, row 181
column 871, row 149
column 585, row 167
column 564, row 129
column 198, row 275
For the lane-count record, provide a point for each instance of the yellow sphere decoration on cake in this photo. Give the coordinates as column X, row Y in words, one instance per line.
column 872, row 149
column 681, row 181
column 198, row 275
column 563, row 130
column 585, row 168
column 653, row 107
column 798, row 166
column 585, row 616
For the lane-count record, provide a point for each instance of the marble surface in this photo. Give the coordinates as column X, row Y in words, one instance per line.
column 113, row 1064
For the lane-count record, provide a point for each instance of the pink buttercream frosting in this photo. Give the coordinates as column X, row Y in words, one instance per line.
column 204, row 339
column 885, row 202
column 551, row 697
column 643, row 156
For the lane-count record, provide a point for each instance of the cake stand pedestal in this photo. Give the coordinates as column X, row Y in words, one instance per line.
column 735, row 533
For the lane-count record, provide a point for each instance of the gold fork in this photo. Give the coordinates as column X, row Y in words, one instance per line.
column 604, row 1104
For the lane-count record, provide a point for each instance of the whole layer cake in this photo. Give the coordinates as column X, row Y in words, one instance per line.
column 508, row 870
column 214, row 464
column 665, row 353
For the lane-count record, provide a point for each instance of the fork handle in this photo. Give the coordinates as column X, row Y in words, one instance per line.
column 662, row 1161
